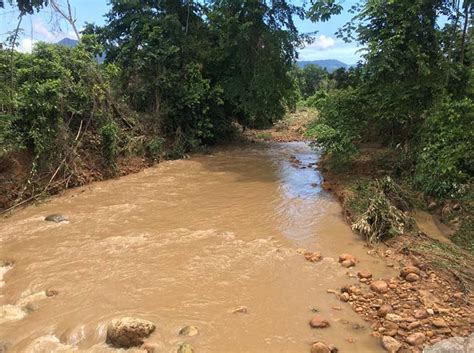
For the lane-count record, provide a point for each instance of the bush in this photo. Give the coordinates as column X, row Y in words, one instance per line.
column 340, row 124
column 110, row 137
column 446, row 158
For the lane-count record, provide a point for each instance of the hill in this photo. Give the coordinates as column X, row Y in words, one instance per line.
column 330, row 64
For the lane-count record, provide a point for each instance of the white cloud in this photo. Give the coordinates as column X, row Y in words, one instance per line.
column 322, row 43
column 41, row 30
column 343, row 52
column 26, row 45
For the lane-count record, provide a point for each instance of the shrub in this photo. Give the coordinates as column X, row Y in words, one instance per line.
column 446, row 158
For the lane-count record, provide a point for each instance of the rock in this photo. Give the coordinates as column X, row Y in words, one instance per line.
column 185, row 348
column 409, row 269
column 393, row 317
column 430, row 311
column 344, row 257
column 348, row 263
column 379, row 286
column 432, row 205
column 240, row 310
column 189, row 331
column 58, row 218
column 412, row 277
column 51, row 292
column 391, row 344
column 453, row 345
column 128, row 332
column 345, row 297
column 318, row 322
column 439, row 323
column 413, row 325
column 457, row 206
column 320, row 347
column 421, row 314
column 151, row 348
column 384, row 310
column 312, row 256
column 416, row 339
column 364, row 274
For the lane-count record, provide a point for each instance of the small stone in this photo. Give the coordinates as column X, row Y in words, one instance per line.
column 409, row 269
column 429, row 334
column 320, row 347
column 240, row 310
column 364, row 274
column 57, row 218
column 51, row 292
column 416, row 339
column 344, row 257
column 150, row 347
column 185, row 348
column 318, row 322
column 391, row 344
column 393, row 317
column 439, row 323
column 414, row 325
column 326, row 186
column 379, row 286
column 128, row 332
column 430, row 311
column 384, row 310
column 412, row 277
column 348, row 263
column 312, row 256
column 421, row 314
column 189, row 331
column 345, row 297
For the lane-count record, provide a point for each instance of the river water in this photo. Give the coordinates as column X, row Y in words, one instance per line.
column 185, row 243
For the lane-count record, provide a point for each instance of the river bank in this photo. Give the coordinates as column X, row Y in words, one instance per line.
column 431, row 299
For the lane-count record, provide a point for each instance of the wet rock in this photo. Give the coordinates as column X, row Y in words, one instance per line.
column 240, row 310
column 189, row 331
column 320, row 347
column 128, row 332
column 312, row 256
column 185, row 348
column 409, row 269
column 58, row 218
column 379, row 286
column 439, row 323
column 416, row 339
column 384, row 310
column 421, row 314
column 453, row 345
column 412, row 277
column 391, row 344
column 364, row 274
column 318, row 322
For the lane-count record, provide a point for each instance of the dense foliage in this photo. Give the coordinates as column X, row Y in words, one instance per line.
column 413, row 92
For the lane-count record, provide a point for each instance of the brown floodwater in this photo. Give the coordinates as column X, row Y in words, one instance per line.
column 185, row 243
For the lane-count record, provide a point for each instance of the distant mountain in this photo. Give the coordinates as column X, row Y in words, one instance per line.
column 330, row 65
column 68, row 42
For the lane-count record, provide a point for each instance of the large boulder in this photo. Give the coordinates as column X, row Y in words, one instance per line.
column 128, row 332
column 453, row 345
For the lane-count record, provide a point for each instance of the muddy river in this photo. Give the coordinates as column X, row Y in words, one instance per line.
column 185, row 243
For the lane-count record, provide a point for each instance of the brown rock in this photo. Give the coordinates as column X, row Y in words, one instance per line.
column 326, row 186
column 421, row 314
column 391, row 344
column 384, row 310
column 345, row 297
column 312, row 256
column 364, row 274
column 320, row 347
column 348, row 263
column 416, row 339
column 414, row 325
column 379, row 286
column 51, row 292
column 439, row 323
column 409, row 269
column 318, row 322
column 344, row 257
column 128, row 332
column 412, row 277
column 240, row 310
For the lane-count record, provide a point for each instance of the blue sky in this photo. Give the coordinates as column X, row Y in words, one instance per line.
column 44, row 26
